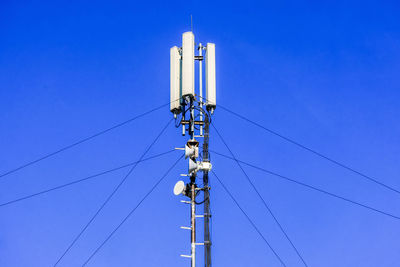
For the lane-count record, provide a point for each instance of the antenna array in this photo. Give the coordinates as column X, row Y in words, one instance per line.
column 194, row 114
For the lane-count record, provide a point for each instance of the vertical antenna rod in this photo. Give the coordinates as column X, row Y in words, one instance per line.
column 201, row 85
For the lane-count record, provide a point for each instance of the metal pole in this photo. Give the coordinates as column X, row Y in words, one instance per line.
column 201, row 85
column 191, row 121
column 193, row 223
column 207, row 214
column 193, row 190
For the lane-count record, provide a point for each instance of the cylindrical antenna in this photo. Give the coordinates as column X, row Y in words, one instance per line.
column 210, row 77
column 175, row 80
column 188, row 64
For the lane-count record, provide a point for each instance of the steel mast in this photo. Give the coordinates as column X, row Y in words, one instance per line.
column 206, row 188
column 193, row 114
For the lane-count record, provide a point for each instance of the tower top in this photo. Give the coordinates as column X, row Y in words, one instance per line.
column 182, row 73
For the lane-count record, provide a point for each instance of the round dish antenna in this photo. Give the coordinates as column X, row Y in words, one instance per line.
column 179, row 188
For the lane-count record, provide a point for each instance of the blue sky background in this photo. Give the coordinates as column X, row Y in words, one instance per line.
column 325, row 74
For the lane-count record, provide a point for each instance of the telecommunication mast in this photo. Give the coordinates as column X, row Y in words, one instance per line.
column 193, row 113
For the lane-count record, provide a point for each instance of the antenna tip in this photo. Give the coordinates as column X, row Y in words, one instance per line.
column 191, row 23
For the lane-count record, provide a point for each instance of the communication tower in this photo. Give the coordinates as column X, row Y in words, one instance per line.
column 193, row 113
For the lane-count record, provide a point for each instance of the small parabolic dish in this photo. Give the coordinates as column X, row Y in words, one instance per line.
column 179, row 188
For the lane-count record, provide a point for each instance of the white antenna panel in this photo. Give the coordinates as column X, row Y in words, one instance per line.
column 175, row 79
column 210, row 76
column 188, row 64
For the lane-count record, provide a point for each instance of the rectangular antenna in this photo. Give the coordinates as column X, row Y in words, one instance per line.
column 210, row 77
column 188, row 64
column 175, row 79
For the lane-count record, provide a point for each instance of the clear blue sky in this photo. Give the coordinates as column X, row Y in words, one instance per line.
column 325, row 74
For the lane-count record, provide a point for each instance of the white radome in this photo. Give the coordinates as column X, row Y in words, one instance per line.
column 179, row 188
column 210, row 76
column 187, row 64
column 175, row 79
